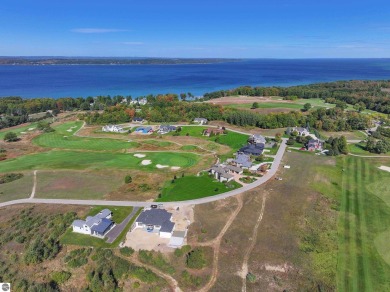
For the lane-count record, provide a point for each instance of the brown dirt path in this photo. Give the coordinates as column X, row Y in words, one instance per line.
column 216, row 243
column 244, row 270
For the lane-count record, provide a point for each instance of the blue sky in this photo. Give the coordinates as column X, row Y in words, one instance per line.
column 213, row 28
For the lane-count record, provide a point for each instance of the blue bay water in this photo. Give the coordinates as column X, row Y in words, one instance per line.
column 137, row 80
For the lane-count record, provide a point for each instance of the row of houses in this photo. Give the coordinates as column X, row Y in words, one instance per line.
column 113, row 128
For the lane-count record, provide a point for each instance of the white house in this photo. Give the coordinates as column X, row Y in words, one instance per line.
column 201, row 121
column 155, row 221
column 300, row 130
column 113, row 128
column 257, row 139
column 97, row 225
column 221, row 174
column 164, row 129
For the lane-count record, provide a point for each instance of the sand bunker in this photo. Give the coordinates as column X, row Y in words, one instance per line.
column 385, row 168
column 23, row 132
column 139, row 155
column 65, row 136
column 30, row 129
column 70, row 130
column 161, row 166
column 146, row 162
column 175, row 167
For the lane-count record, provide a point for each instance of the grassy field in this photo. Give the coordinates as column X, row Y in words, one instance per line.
column 231, row 139
column 95, row 160
column 363, row 225
column 353, row 135
column 76, row 184
column 359, row 149
column 64, row 138
column 193, row 187
column 18, row 129
column 18, row 189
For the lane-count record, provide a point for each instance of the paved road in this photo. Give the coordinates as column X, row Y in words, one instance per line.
column 114, row 232
column 260, row 181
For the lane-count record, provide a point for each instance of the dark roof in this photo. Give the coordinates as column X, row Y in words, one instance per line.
column 252, row 149
column 154, row 217
column 103, row 226
column 167, row 226
column 243, row 159
column 138, row 119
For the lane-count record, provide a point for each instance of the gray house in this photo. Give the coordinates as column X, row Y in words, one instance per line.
column 155, row 221
column 201, row 121
column 97, row 225
column 243, row 160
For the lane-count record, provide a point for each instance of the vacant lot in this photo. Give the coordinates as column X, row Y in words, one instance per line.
column 77, row 184
column 18, row 189
column 194, row 187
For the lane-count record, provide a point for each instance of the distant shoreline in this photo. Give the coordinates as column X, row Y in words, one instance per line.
column 50, row 61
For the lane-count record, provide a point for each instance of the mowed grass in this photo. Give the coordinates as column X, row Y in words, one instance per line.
column 94, row 160
column 194, row 187
column 63, row 138
column 119, row 213
column 364, row 223
column 359, row 149
column 76, row 184
column 232, row 139
column 17, row 189
column 18, row 130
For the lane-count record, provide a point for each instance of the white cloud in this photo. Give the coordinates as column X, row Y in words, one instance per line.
column 96, row 30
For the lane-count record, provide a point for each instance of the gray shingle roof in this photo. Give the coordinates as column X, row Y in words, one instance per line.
column 104, row 213
column 244, row 160
column 103, row 226
column 78, row 223
column 154, row 217
column 167, row 226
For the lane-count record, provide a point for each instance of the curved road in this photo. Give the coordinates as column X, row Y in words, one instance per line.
column 272, row 171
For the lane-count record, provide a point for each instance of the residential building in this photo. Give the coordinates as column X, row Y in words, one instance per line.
column 155, row 221
column 243, row 160
column 221, row 174
column 144, row 130
column 201, row 121
column 97, row 225
column 300, row 130
column 138, row 120
column 252, row 149
column 214, row 131
column 113, row 128
column 314, row 144
column 164, row 129
column 257, row 139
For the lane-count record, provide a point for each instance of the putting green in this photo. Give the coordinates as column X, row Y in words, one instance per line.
column 97, row 160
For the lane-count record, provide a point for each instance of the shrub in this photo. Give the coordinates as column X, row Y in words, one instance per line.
column 10, row 137
column 8, row 177
column 60, row 277
column 126, row 251
column 196, row 259
column 128, row 179
column 250, row 277
column 179, row 252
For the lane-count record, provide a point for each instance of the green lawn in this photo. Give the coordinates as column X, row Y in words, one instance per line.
column 64, row 138
column 119, row 213
column 193, row 131
column 188, row 147
column 364, row 223
column 267, row 105
column 194, row 187
column 17, row 189
column 359, row 149
column 91, row 185
column 18, row 130
column 158, row 143
column 97, row 160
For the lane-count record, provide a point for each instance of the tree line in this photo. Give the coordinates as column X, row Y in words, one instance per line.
column 373, row 95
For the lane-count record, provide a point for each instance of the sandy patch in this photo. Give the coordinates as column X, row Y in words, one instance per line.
column 65, row 136
column 69, row 130
column 30, row 129
column 161, row 166
column 385, row 168
column 23, row 132
column 146, row 162
column 175, row 167
column 139, row 155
